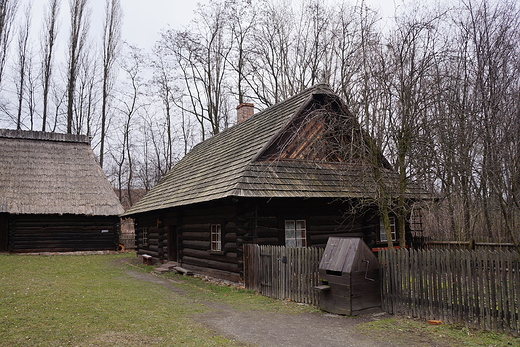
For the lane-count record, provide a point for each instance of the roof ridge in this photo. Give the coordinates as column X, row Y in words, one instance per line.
column 43, row 136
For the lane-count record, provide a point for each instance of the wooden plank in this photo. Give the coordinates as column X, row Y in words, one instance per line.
column 472, row 298
column 515, row 297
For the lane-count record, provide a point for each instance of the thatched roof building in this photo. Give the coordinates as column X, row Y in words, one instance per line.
column 55, row 182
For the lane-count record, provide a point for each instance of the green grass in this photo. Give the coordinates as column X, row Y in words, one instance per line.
column 239, row 299
column 400, row 328
column 86, row 301
column 92, row 301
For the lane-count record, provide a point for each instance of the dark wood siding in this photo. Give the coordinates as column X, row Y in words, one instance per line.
column 156, row 227
column 324, row 218
column 195, row 246
column 62, row 233
column 260, row 221
column 4, row 232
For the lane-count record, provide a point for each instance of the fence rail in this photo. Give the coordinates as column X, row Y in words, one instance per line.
column 469, row 245
column 479, row 289
column 283, row 273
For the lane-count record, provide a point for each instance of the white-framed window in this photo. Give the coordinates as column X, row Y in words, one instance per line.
column 144, row 231
column 295, row 233
column 392, row 230
column 216, row 237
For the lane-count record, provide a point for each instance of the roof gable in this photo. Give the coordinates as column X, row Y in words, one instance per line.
column 49, row 173
column 322, row 131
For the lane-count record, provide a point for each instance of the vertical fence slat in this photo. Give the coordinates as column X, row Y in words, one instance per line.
column 480, row 289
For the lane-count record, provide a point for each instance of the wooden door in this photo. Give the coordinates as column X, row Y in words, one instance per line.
column 172, row 243
column 4, row 233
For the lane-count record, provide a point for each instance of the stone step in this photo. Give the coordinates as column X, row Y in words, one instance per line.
column 166, row 267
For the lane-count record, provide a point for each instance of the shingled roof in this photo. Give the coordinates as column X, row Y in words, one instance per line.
column 50, row 173
column 230, row 164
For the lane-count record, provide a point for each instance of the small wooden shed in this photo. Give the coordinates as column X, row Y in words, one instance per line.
column 54, row 196
column 349, row 276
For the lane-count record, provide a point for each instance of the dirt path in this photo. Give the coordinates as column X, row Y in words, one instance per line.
column 308, row 329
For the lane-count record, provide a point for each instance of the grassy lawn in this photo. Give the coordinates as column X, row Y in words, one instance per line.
column 85, row 301
column 92, row 301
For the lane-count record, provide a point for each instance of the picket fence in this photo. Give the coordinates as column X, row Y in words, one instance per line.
column 479, row 289
column 283, row 273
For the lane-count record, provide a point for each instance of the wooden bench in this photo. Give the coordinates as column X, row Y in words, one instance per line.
column 147, row 259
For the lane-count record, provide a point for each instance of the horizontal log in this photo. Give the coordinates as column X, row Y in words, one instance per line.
column 211, row 211
column 268, row 222
column 268, row 241
column 230, row 225
column 191, row 235
column 233, row 267
column 153, row 241
column 204, row 216
column 199, row 227
column 153, row 247
column 230, row 237
column 195, row 253
column 267, row 232
column 203, row 245
column 230, row 247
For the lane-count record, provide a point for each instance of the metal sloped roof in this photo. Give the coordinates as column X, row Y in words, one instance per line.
column 226, row 165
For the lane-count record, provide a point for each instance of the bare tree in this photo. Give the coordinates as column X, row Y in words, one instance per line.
column 163, row 80
column 201, row 55
column 48, row 43
column 79, row 16
column 130, row 102
column 22, row 63
column 243, row 19
column 86, row 96
column 270, row 79
column 7, row 16
column 111, row 42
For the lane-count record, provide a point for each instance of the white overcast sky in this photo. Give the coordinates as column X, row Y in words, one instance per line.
column 144, row 19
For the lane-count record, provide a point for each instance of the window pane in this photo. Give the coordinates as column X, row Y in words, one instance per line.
column 382, row 232
column 290, row 237
column 301, row 233
column 216, row 237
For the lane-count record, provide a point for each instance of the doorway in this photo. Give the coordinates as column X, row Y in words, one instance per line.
column 172, row 243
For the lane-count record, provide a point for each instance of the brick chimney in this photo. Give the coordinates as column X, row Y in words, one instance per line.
column 244, row 111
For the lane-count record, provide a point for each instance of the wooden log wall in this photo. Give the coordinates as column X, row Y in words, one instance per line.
column 323, row 220
column 256, row 221
column 195, row 245
column 62, row 233
column 156, row 226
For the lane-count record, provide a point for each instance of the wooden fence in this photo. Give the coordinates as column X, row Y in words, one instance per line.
column 479, row 289
column 127, row 234
column 283, row 273
column 469, row 245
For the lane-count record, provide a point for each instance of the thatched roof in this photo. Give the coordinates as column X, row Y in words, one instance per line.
column 239, row 162
column 49, row 173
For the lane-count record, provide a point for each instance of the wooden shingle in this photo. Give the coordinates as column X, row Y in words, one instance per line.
column 241, row 162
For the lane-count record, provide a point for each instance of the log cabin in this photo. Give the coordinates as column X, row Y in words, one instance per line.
column 54, row 196
column 293, row 174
